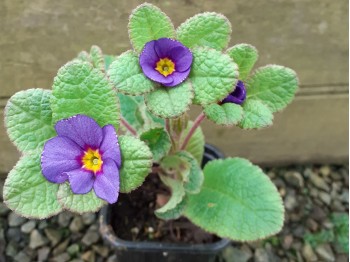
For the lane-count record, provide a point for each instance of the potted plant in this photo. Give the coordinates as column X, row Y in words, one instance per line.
column 114, row 130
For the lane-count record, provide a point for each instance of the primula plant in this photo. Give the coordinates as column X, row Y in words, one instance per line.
column 108, row 121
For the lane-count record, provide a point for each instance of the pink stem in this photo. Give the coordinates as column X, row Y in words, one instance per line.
column 128, row 126
column 196, row 124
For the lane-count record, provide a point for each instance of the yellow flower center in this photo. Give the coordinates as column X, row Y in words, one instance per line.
column 92, row 160
column 165, row 66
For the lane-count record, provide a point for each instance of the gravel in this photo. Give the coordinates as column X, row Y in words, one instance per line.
column 311, row 194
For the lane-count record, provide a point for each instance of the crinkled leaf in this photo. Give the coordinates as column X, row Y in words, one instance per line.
column 213, row 75
column 108, row 60
column 126, row 74
column 175, row 205
column 274, row 85
column 28, row 118
column 97, row 58
column 79, row 88
column 245, row 56
column 176, row 166
column 194, row 179
column 158, row 141
column 237, row 201
column 206, row 29
column 196, row 144
column 226, row 114
column 136, row 163
column 255, row 115
column 170, row 102
column 79, row 203
column 27, row 192
column 147, row 22
column 84, row 56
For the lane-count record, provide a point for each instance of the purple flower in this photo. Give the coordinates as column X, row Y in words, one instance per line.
column 166, row 61
column 86, row 155
column 238, row 95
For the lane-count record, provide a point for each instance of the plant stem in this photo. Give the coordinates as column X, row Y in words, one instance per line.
column 196, row 124
column 128, row 126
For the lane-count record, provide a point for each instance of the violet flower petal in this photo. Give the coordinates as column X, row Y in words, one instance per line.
column 238, row 95
column 82, row 129
column 149, row 56
column 182, row 57
column 178, row 77
column 162, row 46
column 106, row 184
column 60, row 154
column 110, row 147
column 81, row 181
column 154, row 75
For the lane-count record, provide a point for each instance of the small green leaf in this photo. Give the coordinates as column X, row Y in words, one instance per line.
column 79, row 88
column 108, row 60
column 213, row 75
column 28, row 118
column 158, row 141
column 194, row 179
column 131, row 111
column 175, row 205
column 196, row 144
column 256, row 115
column 226, row 114
column 147, row 22
column 79, row 203
column 97, row 58
column 175, row 166
column 170, row 102
column 126, row 74
column 206, row 29
column 28, row 193
column 237, row 201
column 245, row 56
column 274, row 85
column 136, row 163
column 84, row 56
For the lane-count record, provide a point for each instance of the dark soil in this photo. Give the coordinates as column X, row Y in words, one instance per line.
column 132, row 218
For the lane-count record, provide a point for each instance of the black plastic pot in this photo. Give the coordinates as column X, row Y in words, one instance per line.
column 130, row 251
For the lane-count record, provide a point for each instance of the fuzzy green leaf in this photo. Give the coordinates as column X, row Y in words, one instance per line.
column 126, row 74
column 158, row 141
column 245, row 56
column 97, row 58
column 170, row 102
column 237, row 201
column 79, row 203
column 226, row 114
column 256, row 115
column 175, row 166
column 147, row 22
column 28, row 118
column 27, row 192
column 136, row 163
column 79, row 88
column 274, row 85
column 108, row 60
column 213, row 75
column 196, row 144
column 207, row 29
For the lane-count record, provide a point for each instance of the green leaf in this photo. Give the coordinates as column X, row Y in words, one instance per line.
column 274, row 85
column 27, row 192
column 158, row 141
column 84, row 56
column 136, row 163
column 176, row 166
column 28, row 119
column 194, row 179
column 147, row 22
column 97, row 58
column 81, row 203
column 206, row 29
column 226, row 114
column 170, row 102
column 196, row 144
column 245, row 56
column 256, row 115
column 126, row 74
column 79, row 88
column 108, row 60
column 175, row 205
column 130, row 107
column 237, row 201
column 213, row 75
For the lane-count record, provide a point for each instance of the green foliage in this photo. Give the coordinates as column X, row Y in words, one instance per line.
column 206, row 29
column 226, row 114
column 28, row 119
column 213, row 75
column 158, row 141
column 245, row 56
column 97, row 58
column 237, row 201
column 196, row 144
column 256, row 115
column 147, row 22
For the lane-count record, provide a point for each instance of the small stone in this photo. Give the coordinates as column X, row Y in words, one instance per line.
column 290, row 201
column 337, row 206
column 318, row 182
column 14, row 233
column 80, row 260
column 64, row 257
column 4, row 210
column 73, row 249
column 233, row 254
column 64, row 218
column 101, row 250
column 299, row 231
column 36, row 239
column 61, row 247
column 263, row 255
column 28, row 226
column 53, row 235
column 15, row 221
column 318, row 214
column 308, row 253
column 342, row 258
column 325, row 197
column 89, row 256
column 344, row 197
column 287, row 242
column 43, row 253
column 91, row 237
column 336, row 176
column 112, row 258
column 312, row 224
column 295, row 179
column 22, row 257
column 42, row 224
column 325, row 252
column 88, row 218
column 325, row 171
column 11, row 249
column 76, row 225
